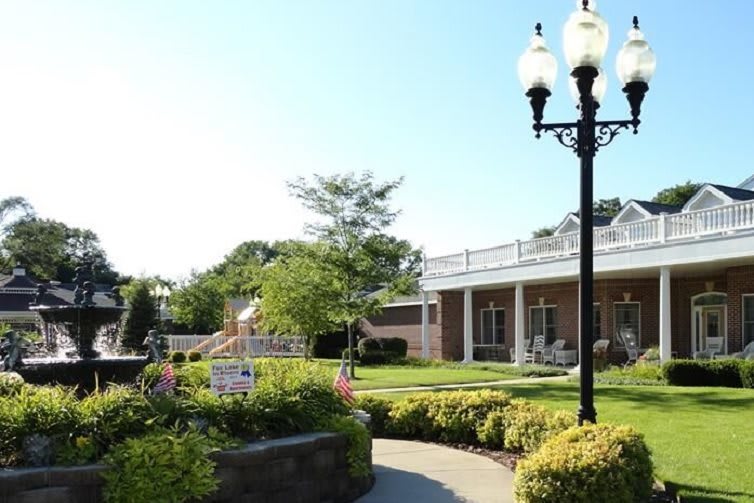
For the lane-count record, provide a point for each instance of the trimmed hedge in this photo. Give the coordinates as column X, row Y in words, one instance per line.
column 585, row 464
column 730, row 373
column 381, row 350
column 378, row 408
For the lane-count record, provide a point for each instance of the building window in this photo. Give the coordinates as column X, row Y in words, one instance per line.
column 596, row 323
column 627, row 321
column 543, row 320
column 748, row 319
column 493, row 326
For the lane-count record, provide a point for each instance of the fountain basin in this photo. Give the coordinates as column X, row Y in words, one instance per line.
column 82, row 372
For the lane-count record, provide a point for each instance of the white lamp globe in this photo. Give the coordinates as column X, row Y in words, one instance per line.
column 585, row 37
column 636, row 61
column 537, row 67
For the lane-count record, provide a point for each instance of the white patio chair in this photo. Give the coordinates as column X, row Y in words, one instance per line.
column 714, row 346
column 628, row 339
column 747, row 353
column 548, row 353
column 513, row 350
column 601, row 344
column 538, row 346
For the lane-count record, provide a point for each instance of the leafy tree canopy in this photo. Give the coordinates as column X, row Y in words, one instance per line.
column 354, row 214
column 678, row 195
column 607, row 207
column 198, row 302
column 543, row 232
column 141, row 315
column 52, row 250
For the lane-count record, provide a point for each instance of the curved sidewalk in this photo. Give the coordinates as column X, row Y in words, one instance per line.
column 416, row 472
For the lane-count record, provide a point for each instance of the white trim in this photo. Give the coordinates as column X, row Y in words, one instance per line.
column 519, row 331
column 570, row 218
column 630, row 204
column 707, row 187
column 494, row 326
column 694, row 310
column 615, row 329
column 743, row 310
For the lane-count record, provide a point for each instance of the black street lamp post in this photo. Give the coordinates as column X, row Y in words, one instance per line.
column 585, row 42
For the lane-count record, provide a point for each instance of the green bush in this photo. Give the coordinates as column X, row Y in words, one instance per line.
column 747, row 374
column 166, row 466
column 177, row 357
column 527, row 425
column 330, row 345
column 381, row 350
column 186, row 376
column 368, row 344
column 641, row 374
column 377, row 357
column 491, row 433
column 194, row 356
column 112, row 416
column 728, row 373
column 377, row 407
column 586, row 464
column 395, row 345
column 10, row 383
column 358, row 453
column 346, row 353
column 452, row 416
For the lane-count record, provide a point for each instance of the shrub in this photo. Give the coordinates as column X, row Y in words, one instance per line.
column 369, row 344
column 380, row 350
column 194, row 356
column 167, row 466
column 585, row 464
column 641, row 374
column 527, row 425
column 376, row 357
column 358, row 443
column 10, row 383
column 491, row 433
column 114, row 415
column 395, row 345
column 186, row 376
column 452, row 416
column 377, row 407
column 346, row 353
column 747, row 374
column 330, row 345
column 728, row 373
column 177, row 357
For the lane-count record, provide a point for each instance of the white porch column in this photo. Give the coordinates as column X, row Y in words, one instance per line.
column 468, row 327
column 665, row 331
column 520, row 336
column 425, row 325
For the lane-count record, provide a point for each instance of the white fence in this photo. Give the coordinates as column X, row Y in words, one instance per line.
column 689, row 225
column 237, row 346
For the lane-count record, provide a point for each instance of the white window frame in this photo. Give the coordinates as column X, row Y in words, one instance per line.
column 544, row 320
column 481, row 327
column 616, row 340
column 743, row 319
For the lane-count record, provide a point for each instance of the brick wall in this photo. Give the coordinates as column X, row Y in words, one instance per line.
column 405, row 322
column 450, row 320
column 740, row 281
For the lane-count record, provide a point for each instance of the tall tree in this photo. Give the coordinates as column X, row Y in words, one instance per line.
column 300, row 294
column 607, row 207
column 141, row 315
column 12, row 209
column 355, row 213
column 198, row 302
column 678, row 195
column 52, row 250
column 543, row 232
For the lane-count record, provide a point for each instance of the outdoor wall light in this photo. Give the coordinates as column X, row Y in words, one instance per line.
column 585, row 39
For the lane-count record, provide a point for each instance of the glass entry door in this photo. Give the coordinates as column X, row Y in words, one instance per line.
column 710, row 325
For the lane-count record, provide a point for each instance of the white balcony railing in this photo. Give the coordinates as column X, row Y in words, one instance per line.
column 238, row 346
column 652, row 231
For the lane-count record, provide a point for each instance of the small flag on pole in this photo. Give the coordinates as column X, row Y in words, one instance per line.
column 166, row 382
column 343, row 385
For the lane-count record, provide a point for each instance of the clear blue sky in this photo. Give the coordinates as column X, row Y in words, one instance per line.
column 170, row 127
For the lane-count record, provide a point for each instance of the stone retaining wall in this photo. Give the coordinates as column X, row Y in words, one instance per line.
column 300, row 469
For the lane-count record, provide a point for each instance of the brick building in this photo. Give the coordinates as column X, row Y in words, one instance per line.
column 680, row 278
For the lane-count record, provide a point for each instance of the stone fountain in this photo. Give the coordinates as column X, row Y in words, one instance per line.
column 79, row 325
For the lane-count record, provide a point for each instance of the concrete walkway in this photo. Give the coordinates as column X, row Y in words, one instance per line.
column 416, row 472
column 523, row 380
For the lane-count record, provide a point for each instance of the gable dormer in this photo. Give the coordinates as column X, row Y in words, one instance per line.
column 747, row 184
column 635, row 211
column 711, row 196
column 572, row 223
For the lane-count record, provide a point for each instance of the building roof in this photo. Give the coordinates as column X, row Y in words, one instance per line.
column 403, row 299
column 735, row 193
column 657, row 208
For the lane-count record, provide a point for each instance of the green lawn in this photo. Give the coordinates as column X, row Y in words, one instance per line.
column 702, row 439
column 400, row 376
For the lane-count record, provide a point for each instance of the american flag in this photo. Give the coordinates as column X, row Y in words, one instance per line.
column 166, row 382
column 342, row 385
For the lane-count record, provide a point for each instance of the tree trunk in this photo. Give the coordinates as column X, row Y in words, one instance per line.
column 350, row 351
